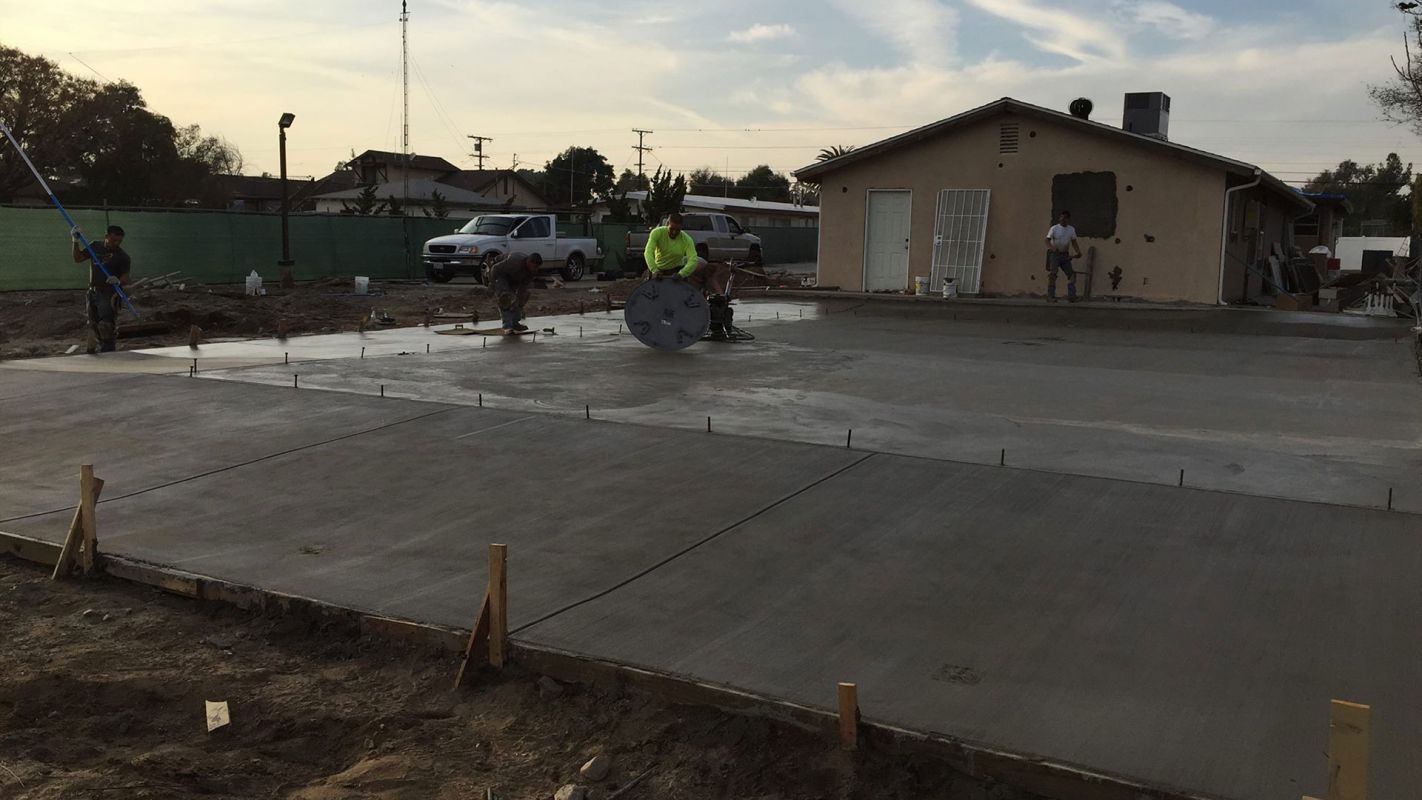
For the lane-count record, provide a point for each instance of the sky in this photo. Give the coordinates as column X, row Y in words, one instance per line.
column 731, row 84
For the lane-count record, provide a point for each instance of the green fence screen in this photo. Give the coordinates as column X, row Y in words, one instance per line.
column 223, row 247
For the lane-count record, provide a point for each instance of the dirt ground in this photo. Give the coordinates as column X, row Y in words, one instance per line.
column 45, row 323
column 102, row 685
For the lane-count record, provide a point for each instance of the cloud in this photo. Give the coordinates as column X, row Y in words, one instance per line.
column 761, row 33
column 924, row 30
column 1080, row 37
column 1165, row 17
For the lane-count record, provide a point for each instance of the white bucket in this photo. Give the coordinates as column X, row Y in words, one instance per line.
column 254, row 283
column 950, row 288
column 920, row 284
column 362, row 284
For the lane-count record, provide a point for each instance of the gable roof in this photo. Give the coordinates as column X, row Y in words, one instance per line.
column 1008, row 105
column 432, row 163
column 479, row 180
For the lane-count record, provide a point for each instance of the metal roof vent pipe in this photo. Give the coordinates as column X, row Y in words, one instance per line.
column 1081, row 108
column 1148, row 114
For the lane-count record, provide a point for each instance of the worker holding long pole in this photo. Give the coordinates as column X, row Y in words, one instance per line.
column 108, row 274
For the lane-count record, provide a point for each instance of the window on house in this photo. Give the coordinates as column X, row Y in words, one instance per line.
column 1306, row 226
column 1091, row 199
column 1008, row 139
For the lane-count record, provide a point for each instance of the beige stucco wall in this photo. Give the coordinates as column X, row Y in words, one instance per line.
column 1177, row 202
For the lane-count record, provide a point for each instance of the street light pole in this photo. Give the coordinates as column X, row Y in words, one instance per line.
column 288, row 276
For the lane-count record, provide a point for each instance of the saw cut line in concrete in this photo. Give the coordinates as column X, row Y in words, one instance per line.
column 787, row 498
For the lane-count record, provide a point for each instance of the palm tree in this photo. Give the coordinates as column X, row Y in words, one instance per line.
column 834, row 151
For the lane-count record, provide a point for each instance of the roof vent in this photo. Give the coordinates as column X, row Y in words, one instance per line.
column 1148, row 114
column 1081, row 108
column 1008, row 139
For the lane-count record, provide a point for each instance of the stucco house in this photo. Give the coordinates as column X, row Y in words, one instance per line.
column 971, row 197
column 466, row 192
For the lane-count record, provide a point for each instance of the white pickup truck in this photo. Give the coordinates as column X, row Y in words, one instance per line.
column 472, row 249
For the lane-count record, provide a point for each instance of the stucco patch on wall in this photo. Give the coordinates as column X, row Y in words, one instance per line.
column 1091, row 199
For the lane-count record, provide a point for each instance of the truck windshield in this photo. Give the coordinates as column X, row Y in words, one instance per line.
column 491, row 226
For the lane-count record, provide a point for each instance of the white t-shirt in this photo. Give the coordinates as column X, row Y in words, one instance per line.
column 1061, row 236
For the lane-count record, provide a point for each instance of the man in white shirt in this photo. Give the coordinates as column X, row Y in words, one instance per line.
column 1061, row 242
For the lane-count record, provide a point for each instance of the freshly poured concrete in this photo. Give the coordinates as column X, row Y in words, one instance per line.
column 1180, row 636
column 1331, row 419
column 141, row 431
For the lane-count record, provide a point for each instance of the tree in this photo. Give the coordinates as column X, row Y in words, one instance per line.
column 664, row 195
column 366, row 203
column 1401, row 98
column 805, row 194
column 583, row 170
column 1376, row 192
column 833, row 151
column 628, row 181
column 763, row 183
column 394, row 207
column 439, row 207
column 100, row 142
column 707, row 181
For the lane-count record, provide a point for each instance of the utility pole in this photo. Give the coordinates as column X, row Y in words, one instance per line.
column 641, row 151
column 405, row 88
column 479, row 148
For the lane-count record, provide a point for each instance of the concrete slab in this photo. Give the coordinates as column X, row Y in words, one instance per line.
column 142, row 431
column 397, row 521
column 1190, row 638
column 1335, row 420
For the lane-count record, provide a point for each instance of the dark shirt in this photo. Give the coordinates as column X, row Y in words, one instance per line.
column 512, row 273
column 115, row 260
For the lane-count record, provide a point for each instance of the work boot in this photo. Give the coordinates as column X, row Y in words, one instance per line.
column 519, row 326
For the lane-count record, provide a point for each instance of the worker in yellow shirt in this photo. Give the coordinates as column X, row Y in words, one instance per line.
column 671, row 252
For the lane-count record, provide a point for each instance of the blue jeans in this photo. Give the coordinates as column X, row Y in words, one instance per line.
column 1061, row 261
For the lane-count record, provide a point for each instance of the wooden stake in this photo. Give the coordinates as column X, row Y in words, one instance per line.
column 849, row 716
column 477, row 650
column 498, row 605
column 194, row 336
column 81, row 544
column 1348, row 750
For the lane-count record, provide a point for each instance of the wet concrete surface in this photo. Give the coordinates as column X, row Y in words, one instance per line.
column 1324, row 419
column 1192, row 637
column 1181, row 636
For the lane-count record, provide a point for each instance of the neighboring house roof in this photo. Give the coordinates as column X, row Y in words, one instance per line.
column 1008, row 105
column 736, row 204
column 337, row 181
column 253, row 187
column 1330, row 199
column 432, row 163
column 421, row 191
column 479, row 180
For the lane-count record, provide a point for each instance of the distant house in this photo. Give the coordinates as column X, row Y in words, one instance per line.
column 466, row 192
column 971, row 197
column 1325, row 225
column 750, row 213
column 251, row 192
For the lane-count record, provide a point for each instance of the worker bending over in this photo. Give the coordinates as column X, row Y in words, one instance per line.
column 512, row 280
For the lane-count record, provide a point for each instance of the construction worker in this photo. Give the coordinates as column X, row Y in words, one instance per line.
column 103, row 299
column 670, row 247
column 1061, row 240
column 513, row 279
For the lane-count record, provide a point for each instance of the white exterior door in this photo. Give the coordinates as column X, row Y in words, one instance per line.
column 886, row 240
column 958, row 236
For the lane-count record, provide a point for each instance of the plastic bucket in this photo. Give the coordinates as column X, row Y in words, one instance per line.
column 920, row 285
column 362, row 284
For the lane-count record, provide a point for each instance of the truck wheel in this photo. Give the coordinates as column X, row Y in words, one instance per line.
column 574, row 268
column 755, row 256
column 484, row 272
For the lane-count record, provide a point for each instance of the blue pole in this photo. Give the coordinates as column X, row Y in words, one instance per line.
column 89, row 248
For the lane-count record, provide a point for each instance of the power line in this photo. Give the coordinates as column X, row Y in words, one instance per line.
column 479, row 148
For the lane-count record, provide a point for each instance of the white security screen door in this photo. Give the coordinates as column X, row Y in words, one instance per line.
column 886, row 240
column 958, row 237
